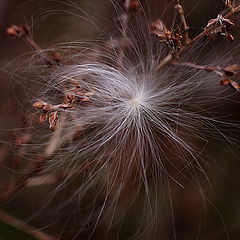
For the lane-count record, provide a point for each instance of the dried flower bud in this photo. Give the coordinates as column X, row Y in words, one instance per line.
column 230, row 83
column 13, row 31
column 53, row 119
column 134, row 5
column 220, row 26
column 228, row 3
column 70, row 97
column 43, row 118
column 56, row 57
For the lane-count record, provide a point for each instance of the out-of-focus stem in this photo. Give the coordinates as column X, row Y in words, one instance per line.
column 124, row 23
column 14, row 222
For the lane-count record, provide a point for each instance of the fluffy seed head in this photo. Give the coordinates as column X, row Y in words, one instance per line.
column 131, row 125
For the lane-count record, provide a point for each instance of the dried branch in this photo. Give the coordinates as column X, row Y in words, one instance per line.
column 218, row 70
column 76, row 94
column 223, row 73
column 23, row 32
column 170, row 57
column 186, row 27
column 72, row 96
column 219, row 26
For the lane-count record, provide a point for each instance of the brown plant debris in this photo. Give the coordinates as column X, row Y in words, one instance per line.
column 219, row 26
column 186, row 27
column 229, row 3
column 172, row 40
column 223, row 73
column 230, row 83
column 72, row 97
column 210, row 30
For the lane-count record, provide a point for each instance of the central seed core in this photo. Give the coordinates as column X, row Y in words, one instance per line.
column 136, row 101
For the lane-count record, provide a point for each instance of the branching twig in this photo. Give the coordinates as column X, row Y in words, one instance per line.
column 223, row 73
column 170, row 57
column 186, row 27
column 218, row 70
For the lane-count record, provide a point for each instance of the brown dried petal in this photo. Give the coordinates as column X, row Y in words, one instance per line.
column 85, row 99
column 134, row 5
column 230, row 83
column 228, row 72
column 47, row 107
column 13, row 31
column 159, row 26
column 228, row 3
column 39, row 104
column 70, row 97
column 43, row 118
column 219, row 25
column 53, row 119
column 76, row 84
column 234, row 85
column 230, row 37
column 225, row 82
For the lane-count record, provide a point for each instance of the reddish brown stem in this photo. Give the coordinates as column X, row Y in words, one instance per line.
column 170, row 57
column 186, row 27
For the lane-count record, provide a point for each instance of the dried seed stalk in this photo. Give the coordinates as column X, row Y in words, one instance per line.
column 186, row 27
column 169, row 58
column 223, row 73
column 219, row 26
column 23, row 32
